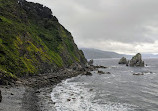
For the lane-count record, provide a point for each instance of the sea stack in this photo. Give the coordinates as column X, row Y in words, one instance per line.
column 123, row 60
column 136, row 61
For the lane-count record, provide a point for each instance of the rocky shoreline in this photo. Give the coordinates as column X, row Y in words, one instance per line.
column 33, row 93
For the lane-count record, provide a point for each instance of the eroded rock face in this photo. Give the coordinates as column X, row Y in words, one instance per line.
column 136, row 61
column 123, row 60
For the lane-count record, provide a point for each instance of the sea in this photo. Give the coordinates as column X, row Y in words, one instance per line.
column 118, row 91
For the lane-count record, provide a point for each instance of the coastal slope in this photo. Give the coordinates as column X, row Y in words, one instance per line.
column 32, row 41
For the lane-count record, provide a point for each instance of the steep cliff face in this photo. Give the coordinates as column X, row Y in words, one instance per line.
column 32, row 40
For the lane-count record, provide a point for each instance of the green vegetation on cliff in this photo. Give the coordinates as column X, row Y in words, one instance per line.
column 32, row 40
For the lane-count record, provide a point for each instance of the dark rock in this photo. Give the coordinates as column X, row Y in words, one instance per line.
column 136, row 61
column 91, row 90
column 138, row 74
column 37, row 92
column 127, row 64
column 68, row 99
column 108, row 73
column 1, row 20
column 6, row 79
column 88, row 73
column 90, row 62
column 123, row 60
column 100, row 67
column 0, row 96
column 101, row 72
column 11, row 94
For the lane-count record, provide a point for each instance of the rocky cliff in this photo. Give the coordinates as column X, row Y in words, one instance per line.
column 32, row 40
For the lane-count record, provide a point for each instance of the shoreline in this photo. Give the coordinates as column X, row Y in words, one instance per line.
column 34, row 93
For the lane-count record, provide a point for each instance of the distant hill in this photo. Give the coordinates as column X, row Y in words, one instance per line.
column 91, row 53
column 150, row 55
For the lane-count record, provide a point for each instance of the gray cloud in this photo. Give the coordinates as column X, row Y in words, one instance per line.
column 125, row 26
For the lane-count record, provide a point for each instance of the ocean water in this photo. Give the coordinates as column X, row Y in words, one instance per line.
column 118, row 91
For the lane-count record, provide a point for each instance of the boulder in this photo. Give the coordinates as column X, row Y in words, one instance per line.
column 136, row 61
column 90, row 62
column 0, row 96
column 88, row 73
column 123, row 60
column 101, row 72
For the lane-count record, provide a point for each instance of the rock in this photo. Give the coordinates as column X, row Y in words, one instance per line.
column 100, row 67
column 37, row 92
column 127, row 64
column 136, row 61
column 0, row 96
column 101, row 72
column 123, row 60
column 88, row 73
column 68, row 99
column 76, row 66
column 1, row 20
column 90, row 62
column 138, row 73
column 108, row 73
column 18, row 82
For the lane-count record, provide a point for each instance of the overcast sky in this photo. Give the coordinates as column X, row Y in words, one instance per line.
column 123, row 26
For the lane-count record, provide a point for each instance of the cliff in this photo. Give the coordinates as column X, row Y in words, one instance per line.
column 32, row 41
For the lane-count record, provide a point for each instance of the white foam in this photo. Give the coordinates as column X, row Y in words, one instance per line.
column 73, row 96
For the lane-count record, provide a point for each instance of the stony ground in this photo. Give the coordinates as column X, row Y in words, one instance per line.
column 33, row 93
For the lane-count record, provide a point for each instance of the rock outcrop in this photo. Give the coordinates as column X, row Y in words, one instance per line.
column 136, row 61
column 123, row 60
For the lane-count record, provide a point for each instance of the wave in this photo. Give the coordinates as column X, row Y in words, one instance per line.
column 75, row 96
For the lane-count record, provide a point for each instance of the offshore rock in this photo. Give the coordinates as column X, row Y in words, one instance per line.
column 123, row 60
column 90, row 62
column 136, row 61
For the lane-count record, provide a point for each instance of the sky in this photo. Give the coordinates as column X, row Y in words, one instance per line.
column 123, row 26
